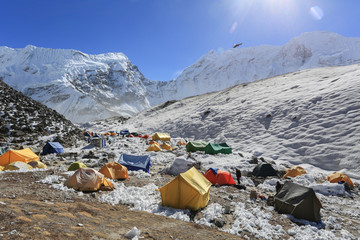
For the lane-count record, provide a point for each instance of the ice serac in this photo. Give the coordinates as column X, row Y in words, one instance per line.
column 80, row 86
column 219, row 70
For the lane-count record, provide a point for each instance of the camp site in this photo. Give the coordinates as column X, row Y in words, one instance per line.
column 177, row 120
column 189, row 180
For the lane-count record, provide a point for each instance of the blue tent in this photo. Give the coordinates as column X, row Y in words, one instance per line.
column 134, row 163
column 124, row 132
column 52, row 147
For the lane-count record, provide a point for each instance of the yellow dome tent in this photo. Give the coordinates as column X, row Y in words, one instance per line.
column 154, row 147
column 339, row 177
column 76, row 165
column 88, row 179
column 294, row 171
column 189, row 190
column 166, row 146
column 18, row 165
column 2, row 168
column 37, row 164
column 161, row 137
column 115, row 170
column 23, row 155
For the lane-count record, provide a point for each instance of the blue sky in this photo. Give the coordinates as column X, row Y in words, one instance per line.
column 163, row 37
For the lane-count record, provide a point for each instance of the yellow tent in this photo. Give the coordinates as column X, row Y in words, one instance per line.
column 76, row 165
column 161, row 136
column 189, row 190
column 37, row 164
column 166, row 146
column 2, row 168
column 339, row 177
column 115, row 170
column 23, row 155
column 88, row 179
column 154, row 147
column 295, row 171
column 18, row 165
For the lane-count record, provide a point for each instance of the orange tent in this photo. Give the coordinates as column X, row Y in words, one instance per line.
column 107, row 133
column 166, row 146
column 153, row 142
column 295, row 171
column 339, row 177
column 181, row 143
column 88, row 179
column 23, row 155
column 219, row 177
column 115, row 170
column 154, row 147
column 113, row 134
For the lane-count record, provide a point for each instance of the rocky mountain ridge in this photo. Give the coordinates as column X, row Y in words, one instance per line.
column 24, row 121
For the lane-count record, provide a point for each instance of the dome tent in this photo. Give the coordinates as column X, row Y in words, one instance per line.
column 87, row 180
column 24, row 155
column 114, row 170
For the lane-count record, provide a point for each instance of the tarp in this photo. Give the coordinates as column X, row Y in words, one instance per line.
column 114, row 170
column 24, row 155
column 124, row 132
column 134, row 163
column 189, row 190
column 17, row 166
column 339, row 177
column 264, row 170
column 294, row 171
column 76, row 165
column 88, row 179
column 219, row 177
column 194, row 146
column 52, row 147
column 180, row 165
column 154, row 147
column 299, row 201
column 37, row 164
column 161, row 137
column 213, row 148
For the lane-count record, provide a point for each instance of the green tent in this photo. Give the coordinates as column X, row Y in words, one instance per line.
column 299, row 201
column 76, row 165
column 264, row 170
column 213, row 148
column 194, row 146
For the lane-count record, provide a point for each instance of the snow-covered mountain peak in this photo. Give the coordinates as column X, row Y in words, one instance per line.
column 85, row 87
column 218, row 70
column 82, row 87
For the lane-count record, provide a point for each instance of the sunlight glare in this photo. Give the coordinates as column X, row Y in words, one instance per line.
column 317, row 12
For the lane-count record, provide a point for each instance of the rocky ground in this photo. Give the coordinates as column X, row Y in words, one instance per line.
column 32, row 210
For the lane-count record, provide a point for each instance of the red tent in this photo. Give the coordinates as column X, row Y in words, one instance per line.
column 219, row 177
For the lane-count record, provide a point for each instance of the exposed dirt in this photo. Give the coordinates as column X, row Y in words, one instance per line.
column 31, row 210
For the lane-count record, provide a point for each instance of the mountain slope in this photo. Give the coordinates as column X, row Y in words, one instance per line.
column 311, row 116
column 24, row 121
column 215, row 71
column 80, row 86
column 86, row 87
